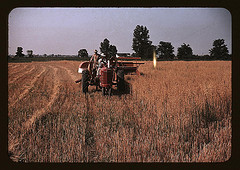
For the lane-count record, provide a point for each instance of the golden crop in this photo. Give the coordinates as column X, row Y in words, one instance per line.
column 177, row 112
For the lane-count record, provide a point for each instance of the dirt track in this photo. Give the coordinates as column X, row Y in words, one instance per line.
column 26, row 80
column 28, row 77
column 39, row 88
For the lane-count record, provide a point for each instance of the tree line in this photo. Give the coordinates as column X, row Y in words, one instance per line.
column 144, row 48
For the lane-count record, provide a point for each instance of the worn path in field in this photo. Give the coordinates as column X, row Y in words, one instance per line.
column 26, row 90
column 16, row 69
column 22, row 75
column 18, row 76
column 53, row 97
column 59, row 73
column 69, row 72
column 14, row 76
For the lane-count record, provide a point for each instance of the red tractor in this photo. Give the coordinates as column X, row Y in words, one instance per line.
column 108, row 74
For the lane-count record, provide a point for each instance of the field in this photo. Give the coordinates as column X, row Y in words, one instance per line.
column 178, row 112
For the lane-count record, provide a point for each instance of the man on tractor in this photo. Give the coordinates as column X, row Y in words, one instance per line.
column 92, row 67
column 113, row 61
column 102, row 60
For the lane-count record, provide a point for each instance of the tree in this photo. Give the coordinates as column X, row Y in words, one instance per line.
column 30, row 53
column 219, row 50
column 104, row 46
column 150, row 51
column 141, row 44
column 19, row 52
column 108, row 49
column 165, row 50
column 112, row 50
column 185, row 51
column 82, row 53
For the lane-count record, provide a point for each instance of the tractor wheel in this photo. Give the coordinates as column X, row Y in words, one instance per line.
column 85, row 79
column 103, row 91
column 120, row 80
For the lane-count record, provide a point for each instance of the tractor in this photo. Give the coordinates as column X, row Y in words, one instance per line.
column 109, row 73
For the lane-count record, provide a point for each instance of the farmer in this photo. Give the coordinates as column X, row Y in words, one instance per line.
column 113, row 60
column 93, row 63
column 102, row 61
column 110, row 57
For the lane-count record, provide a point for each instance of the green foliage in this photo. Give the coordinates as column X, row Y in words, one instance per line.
column 165, row 50
column 82, row 53
column 113, row 50
column 219, row 50
column 104, row 46
column 19, row 52
column 141, row 44
column 108, row 49
column 30, row 53
column 42, row 58
column 184, row 51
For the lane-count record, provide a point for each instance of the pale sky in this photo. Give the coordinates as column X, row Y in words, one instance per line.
column 67, row 30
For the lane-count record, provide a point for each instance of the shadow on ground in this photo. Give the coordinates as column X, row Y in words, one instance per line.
column 115, row 92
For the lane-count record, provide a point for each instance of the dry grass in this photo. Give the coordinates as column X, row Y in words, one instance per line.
column 179, row 112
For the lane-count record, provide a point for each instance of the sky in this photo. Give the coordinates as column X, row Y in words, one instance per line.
column 67, row 30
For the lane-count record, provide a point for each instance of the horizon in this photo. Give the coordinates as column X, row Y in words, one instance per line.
column 65, row 31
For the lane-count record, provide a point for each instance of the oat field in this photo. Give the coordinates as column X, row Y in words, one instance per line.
column 179, row 111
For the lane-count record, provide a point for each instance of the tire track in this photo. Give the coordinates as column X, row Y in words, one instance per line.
column 64, row 75
column 13, row 66
column 69, row 72
column 90, row 143
column 15, row 142
column 23, row 74
column 23, row 94
column 22, row 67
column 68, row 87
column 53, row 97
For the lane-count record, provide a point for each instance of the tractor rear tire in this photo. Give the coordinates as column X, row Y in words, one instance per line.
column 85, row 79
column 120, row 80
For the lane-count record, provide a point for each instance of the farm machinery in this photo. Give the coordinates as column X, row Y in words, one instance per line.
column 109, row 73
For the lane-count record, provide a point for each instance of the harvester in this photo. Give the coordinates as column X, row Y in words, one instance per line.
column 110, row 73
